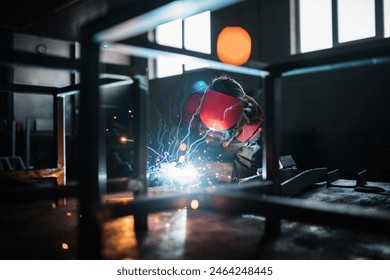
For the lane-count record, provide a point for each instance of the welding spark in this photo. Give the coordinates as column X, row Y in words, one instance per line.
column 177, row 160
column 178, row 175
column 124, row 139
column 194, row 204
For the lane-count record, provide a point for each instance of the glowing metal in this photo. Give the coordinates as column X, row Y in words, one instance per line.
column 178, row 175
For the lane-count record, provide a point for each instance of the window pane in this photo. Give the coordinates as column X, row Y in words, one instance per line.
column 170, row 34
column 356, row 19
column 168, row 66
column 197, row 33
column 197, row 37
column 386, row 9
column 315, row 24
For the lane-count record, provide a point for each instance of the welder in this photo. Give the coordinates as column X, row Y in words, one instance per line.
column 225, row 126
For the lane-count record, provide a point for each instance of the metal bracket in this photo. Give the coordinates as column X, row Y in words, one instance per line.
column 359, row 185
column 303, row 180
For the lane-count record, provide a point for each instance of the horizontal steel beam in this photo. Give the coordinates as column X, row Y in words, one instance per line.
column 365, row 53
column 343, row 216
column 11, row 57
column 14, row 190
column 130, row 21
column 31, row 192
column 148, row 51
column 28, row 89
column 67, row 90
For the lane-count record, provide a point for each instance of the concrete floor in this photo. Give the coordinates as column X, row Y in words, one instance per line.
column 37, row 231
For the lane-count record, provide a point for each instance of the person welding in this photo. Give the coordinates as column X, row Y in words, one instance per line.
column 225, row 125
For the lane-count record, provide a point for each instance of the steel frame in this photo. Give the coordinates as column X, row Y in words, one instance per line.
column 58, row 171
column 124, row 24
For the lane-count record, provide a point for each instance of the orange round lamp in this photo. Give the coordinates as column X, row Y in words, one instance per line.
column 234, row 45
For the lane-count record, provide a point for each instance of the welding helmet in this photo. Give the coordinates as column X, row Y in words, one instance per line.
column 220, row 115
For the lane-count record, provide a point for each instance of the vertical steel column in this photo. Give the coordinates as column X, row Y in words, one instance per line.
column 13, row 136
column 271, row 153
column 28, row 131
column 140, row 139
column 379, row 19
column 296, row 14
column 335, row 24
column 60, row 142
column 93, row 176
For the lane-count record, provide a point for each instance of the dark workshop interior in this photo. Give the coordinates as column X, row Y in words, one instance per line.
column 92, row 96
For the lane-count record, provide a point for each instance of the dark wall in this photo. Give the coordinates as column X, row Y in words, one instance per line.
column 274, row 30
column 337, row 119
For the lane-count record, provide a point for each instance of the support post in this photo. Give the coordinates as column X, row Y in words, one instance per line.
column 271, row 152
column 13, row 135
column 28, row 138
column 60, row 144
column 92, row 156
column 141, row 99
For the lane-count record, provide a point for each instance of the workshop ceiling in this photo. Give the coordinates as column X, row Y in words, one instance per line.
column 53, row 18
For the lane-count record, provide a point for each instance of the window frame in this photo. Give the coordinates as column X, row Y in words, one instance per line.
column 295, row 26
column 152, row 63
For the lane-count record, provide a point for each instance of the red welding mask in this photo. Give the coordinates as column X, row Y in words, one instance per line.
column 220, row 113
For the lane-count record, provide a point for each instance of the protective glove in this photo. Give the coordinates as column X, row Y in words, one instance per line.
column 247, row 161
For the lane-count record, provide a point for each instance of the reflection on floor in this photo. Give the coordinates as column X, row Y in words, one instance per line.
column 36, row 231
